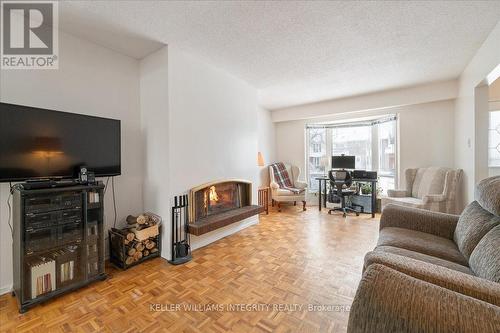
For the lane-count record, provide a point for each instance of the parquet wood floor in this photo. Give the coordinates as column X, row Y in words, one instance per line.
column 292, row 257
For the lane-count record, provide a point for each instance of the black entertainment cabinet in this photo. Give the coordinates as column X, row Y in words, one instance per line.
column 58, row 241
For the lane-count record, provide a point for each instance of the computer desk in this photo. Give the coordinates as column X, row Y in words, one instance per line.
column 322, row 193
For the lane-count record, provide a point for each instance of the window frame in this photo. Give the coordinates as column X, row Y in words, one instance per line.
column 375, row 143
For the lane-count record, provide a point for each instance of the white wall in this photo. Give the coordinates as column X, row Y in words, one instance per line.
column 213, row 129
column 212, row 134
column 90, row 80
column 426, row 135
column 155, row 134
column 483, row 62
column 266, row 143
column 425, row 93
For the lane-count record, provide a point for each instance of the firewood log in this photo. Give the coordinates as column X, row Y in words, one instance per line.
column 153, row 218
column 129, row 260
column 142, row 219
column 145, row 253
column 138, row 255
column 126, row 241
column 154, row 250
column 130, row 236
column 131, row 219
column 131, row 251
column 150, row 245
column 139, row 246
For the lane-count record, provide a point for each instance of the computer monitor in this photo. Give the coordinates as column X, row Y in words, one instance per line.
column 343, row 162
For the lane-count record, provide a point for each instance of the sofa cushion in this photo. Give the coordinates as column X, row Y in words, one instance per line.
column 488, row 194
column 473, row 224
column 405, row 201
column 485, row 259
column 421, row 242
column 284, row 192
column 428, row 181
column 424, row 257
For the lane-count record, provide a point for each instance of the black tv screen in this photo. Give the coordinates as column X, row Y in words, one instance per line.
column 343, row 162
column 40, row 143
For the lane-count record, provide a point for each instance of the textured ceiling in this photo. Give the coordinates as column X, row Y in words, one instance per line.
column 299, row 52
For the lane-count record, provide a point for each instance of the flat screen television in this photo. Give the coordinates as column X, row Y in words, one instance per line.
column 38, row 143
column 343, row 162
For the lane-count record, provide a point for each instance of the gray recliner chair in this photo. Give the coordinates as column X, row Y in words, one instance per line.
column 433, row 272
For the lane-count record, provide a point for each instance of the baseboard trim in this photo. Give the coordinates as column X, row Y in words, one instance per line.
column 5, row 289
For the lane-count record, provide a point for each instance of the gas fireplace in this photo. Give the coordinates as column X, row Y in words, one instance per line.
column 217, row 204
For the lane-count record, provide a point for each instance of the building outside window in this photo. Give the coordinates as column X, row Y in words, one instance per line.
column 316, row 138
column 387, row 155
column 372, row 142
column 355, row 141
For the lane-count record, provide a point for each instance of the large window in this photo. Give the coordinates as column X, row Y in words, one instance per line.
column 372, row 142
column 355, row 141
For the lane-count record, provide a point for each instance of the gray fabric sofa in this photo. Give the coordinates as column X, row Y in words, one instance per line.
column 433, row 272
column 432, row 188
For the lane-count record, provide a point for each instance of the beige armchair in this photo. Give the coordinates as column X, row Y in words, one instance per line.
column 431, row 188
column 279, row 195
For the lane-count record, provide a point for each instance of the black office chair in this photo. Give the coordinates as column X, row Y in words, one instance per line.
column 337, row 181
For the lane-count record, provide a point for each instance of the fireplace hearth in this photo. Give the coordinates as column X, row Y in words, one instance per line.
column 217, row 204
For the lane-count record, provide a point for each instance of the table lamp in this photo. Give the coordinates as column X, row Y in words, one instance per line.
column 260, row 159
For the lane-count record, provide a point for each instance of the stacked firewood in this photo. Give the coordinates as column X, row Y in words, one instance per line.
column 136, row 250
column 138, row 241
column 142, row 221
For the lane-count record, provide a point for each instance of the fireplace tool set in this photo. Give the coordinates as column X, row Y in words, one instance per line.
column 181, row 250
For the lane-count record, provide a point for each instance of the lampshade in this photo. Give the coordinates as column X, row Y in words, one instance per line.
column 260, row 159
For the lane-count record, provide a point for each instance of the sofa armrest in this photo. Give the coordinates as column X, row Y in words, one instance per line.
column 299, row 184
column 391, row 301
column 460, row 282
column 429, row 198
column 439, row 224
column 397, row 193
column 274, row 186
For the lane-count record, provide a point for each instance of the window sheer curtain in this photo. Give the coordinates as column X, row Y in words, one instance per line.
column 373, row 143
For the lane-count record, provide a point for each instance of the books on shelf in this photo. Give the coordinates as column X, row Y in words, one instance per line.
column 67, row 271
column 43, row 276
column 94, row 197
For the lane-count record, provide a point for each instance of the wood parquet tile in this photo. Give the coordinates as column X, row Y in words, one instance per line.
column 292, row 257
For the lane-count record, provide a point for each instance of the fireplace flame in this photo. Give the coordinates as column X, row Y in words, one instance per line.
column 213, row 194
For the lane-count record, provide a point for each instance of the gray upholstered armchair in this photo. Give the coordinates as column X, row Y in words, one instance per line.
column 431, row 188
